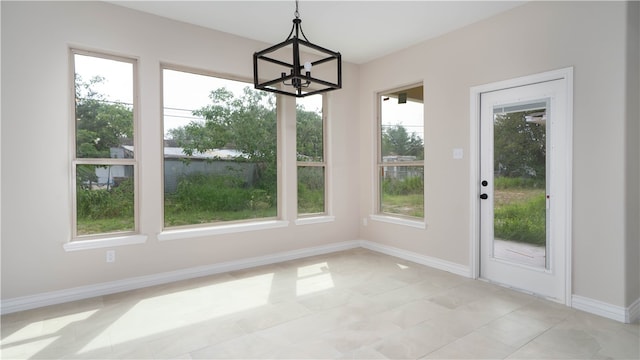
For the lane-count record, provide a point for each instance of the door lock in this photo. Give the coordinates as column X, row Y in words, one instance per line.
column 484, row 196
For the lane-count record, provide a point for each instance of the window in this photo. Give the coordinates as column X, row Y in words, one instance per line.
column 220, row 140
column 310, row 156
column 104, row 162
column 401, row 153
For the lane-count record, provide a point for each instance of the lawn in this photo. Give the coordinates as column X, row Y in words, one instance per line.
column 407, row 205
column 520, row 213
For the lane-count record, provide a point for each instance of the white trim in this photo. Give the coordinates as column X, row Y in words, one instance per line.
column 474, row 107
column 474, row 182
column 188, row 233
column 613, row 312
column 85, row 292
column 399, row 221
column 103, row 243
column 633, row 312
column 315, row 220
column 436, row 263
column 568, row 206
column 621, row 314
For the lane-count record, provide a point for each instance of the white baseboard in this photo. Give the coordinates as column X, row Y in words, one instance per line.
column 618, row 313
column 89, row 291
column 613, row 312
column 418, row 258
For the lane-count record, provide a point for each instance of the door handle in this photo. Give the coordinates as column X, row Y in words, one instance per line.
column 484, row 196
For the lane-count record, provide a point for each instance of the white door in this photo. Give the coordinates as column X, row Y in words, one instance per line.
column 523, row 187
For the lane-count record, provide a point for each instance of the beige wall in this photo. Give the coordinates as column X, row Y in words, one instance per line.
column 36, row 93
column 533, row 38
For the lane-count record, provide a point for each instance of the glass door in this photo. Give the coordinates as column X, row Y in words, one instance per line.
column 521, row 235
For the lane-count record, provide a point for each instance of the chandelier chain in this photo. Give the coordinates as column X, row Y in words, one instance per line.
column 297, row 13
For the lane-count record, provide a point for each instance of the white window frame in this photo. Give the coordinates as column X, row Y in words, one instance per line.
column 224, row 227
column 320, row 216
column 378, row 214
column 81, row 242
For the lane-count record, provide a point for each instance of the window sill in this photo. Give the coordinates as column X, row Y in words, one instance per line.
column 315, row 220
column 105, row 242
column 399, row 221
column 220, row 229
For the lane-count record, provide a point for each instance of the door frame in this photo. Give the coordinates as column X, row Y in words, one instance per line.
column 565, row 74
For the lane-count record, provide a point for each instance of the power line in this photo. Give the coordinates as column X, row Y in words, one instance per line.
column 106, row 101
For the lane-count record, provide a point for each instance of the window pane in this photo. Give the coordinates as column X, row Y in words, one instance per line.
column 104, row 199
column 401, row 177
column 310, row 189
column 402, row 125
column 103, row 107
column 402, row 190
column 219, row 150
column 309, row 129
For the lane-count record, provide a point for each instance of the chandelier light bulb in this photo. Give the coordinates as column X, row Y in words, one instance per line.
column 307, row 66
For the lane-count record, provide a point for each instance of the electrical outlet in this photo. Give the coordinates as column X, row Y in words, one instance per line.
column 111, row 256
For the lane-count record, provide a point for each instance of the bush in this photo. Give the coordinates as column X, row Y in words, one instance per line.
column 214, row 193
column 116, row 202
column 211, row 193
column 310, row 200
column 407, row 186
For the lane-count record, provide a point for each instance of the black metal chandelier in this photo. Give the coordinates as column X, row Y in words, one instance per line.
column 291, row 76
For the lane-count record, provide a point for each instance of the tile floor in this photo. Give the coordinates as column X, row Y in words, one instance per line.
column 355, row 304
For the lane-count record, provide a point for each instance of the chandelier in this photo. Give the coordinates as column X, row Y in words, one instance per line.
column 289, row 75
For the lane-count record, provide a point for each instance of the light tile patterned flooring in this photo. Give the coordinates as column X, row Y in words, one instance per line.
column 355, row 304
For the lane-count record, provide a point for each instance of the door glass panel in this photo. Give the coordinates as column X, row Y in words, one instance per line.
column 520, row 178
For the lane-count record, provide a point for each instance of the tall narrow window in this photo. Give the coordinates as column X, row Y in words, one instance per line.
column 310, row 156
column 401, row 153
column 104, row 163
column 219, row 150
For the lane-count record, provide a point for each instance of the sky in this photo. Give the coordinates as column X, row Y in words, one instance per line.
column 184, row 92
column 410, row 115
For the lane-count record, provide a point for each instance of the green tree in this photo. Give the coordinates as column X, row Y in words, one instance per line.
column 519, row 146
column 397, row 141
column 246, row 123
column 100, row 124
column 309, row 134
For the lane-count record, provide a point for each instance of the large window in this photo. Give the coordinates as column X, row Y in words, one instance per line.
column 401, row 153
column 220, row 140
column 310, row 155
column 104, row 162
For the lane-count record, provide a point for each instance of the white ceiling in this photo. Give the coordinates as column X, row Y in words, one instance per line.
column 360, row 30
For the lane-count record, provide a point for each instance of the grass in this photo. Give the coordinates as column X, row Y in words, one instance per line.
column 406, row 205
column 310, row 201
column 520, row 210
column 404, row 197
column 194, row 217
column 98, row 226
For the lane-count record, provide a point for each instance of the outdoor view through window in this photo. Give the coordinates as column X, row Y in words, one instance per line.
column 520, row 184
column 310, row 155
column 219, row 150
column 401, row 160
column 104, row 161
